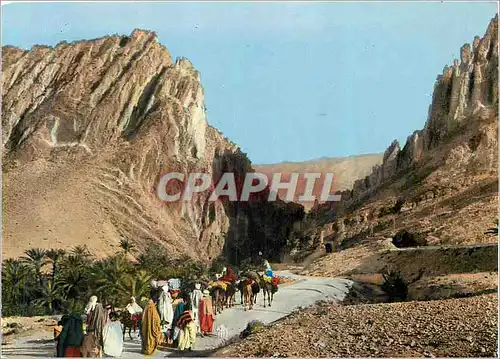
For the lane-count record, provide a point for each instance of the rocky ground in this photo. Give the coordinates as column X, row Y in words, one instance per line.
column 442, row 328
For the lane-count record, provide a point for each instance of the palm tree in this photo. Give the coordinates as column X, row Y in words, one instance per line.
column 109, row 276
column 81, row 251
column 15, row 282
column 50, row 296
column 73, row 278
column 55, row 255
column 136, row 285
column 73, row 282
column 35, row 258
column 126, row 245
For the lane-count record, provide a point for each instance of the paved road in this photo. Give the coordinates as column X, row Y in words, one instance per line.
column 304, row 292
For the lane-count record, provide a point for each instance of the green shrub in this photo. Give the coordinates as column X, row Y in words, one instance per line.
column 252, row 327
column 395, row 286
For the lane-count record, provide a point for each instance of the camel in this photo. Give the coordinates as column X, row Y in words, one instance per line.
column 255, row 291
column 230, row 295
column 267, row 289
column 247, row 294
column 218, row 297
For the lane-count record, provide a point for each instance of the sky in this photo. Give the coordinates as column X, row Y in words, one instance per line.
column 287, row 81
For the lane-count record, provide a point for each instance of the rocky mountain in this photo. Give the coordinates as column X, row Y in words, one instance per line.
column 442, row 185
column 89, row 128
column 346, row 170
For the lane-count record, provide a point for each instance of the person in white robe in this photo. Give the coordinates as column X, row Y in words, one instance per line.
column 165, row 309
column 196, row 296
column 113, row 337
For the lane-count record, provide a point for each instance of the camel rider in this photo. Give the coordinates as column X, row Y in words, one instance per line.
column 135, row 311
column 269, row 271
column 218, row 276
column 229, row 277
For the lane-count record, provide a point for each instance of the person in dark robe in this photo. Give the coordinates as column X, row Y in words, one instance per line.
column 70, row 339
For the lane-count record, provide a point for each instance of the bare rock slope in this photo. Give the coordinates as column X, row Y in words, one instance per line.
column 442, row 185
column 88, row 130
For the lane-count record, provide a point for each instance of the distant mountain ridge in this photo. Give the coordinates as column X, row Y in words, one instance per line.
column 346, row 170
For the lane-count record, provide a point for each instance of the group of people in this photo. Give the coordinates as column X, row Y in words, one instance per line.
column 169, row 316
column 103, row 333
column 176, row 318
column 173, row 317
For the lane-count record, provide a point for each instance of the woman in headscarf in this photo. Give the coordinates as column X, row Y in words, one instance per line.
column 96, row 319
column 113, row 337
column 195, row 297
column 187, row 329
column 70, row 339
column 151, row 329
column 206, row 311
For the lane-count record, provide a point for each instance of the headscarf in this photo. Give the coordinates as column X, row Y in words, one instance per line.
column 133, row 307
column 71, row 334
column 91, row 304
column 151, row 329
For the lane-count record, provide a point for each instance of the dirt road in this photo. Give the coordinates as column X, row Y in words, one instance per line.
column 304, row 292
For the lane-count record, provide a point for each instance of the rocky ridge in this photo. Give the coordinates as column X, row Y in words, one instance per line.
column 89, row 128
column 443, row 183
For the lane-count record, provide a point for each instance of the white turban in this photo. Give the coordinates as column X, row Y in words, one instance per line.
column 91, row 304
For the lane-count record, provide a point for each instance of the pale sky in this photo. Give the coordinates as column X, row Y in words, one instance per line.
column 287, row 81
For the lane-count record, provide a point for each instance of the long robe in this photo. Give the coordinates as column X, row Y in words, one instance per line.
column 98, row 320
column 113, row 339
column 165, row 310
column 187, row 336
column 90, row 346
column 71, row 336
column 179, row 309
column 196, row 297
column 151, row 329
column 206, row 311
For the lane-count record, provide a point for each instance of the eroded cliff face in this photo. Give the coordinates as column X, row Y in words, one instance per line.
column 88, row 130
column 464, row 92
column 443, row 183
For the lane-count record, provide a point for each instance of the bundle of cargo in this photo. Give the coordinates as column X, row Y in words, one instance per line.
column 217, row 283
column 250, row 274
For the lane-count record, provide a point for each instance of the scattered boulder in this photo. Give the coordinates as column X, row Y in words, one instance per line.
column 405, row 239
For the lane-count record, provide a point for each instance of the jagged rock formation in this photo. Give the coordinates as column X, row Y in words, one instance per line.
column 443, row 183
column 88, row 130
